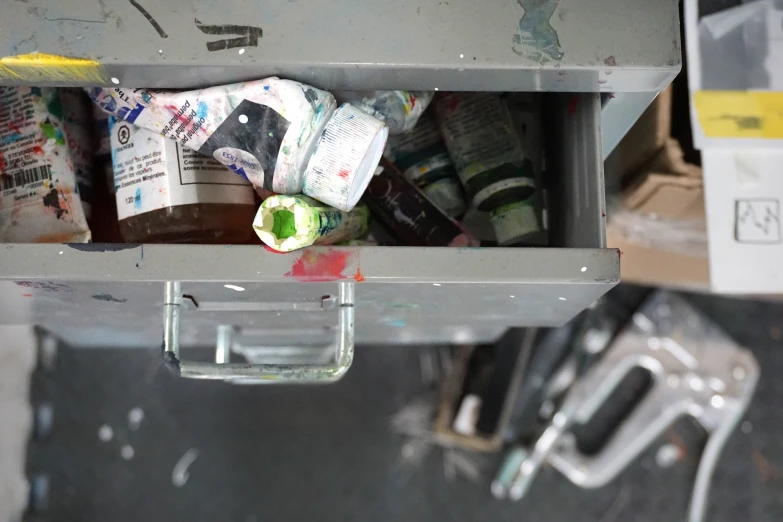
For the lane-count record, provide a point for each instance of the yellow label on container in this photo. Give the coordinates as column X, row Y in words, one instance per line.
column 34, row 67
column 740, row 114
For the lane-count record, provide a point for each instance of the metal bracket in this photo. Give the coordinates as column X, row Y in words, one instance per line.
column 696, row 370
column 223, row 369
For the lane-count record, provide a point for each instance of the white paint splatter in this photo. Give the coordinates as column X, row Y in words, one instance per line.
column 462, row 56
column 160, row 51
column 562, row 298
column 127, row 452
column 235, row 287
column 241, row 51
column 242, row 118
column 435, row 284
column 512, row 296
column 667, row 455
column 180, row 475
column 61, row 252
column 436, row 88
column 105, row 433
column 115, row 81
column 584, row 269
column 135, row 416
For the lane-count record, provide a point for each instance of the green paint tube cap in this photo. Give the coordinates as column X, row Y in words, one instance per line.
column 512, row 223
column 286, row 223
column 345, row 158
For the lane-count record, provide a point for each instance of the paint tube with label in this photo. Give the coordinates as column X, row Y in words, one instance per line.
column 287, row 223
column 525, row 109
column 400, row 110
column 278, row 134
column 423, row 160
column 39, row 196
column 494, row 168
column 168, row 193
column 409, row 215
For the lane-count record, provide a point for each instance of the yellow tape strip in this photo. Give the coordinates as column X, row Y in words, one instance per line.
column 34, row 67
column 740, row 114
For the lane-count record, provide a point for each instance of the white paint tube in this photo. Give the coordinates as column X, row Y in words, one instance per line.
column 278, row 134
column 423, row 160
column 400, row 110
column 287, row 223
column 39, row 197
column 491, row 162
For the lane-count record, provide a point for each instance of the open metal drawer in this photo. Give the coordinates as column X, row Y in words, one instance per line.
column 113, row 294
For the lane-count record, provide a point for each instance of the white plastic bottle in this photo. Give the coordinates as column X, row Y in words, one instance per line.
column 281, row 135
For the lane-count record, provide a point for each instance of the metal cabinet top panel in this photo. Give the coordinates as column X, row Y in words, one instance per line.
column 559, row 45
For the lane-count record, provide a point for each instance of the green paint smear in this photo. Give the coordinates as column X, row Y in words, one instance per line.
column 284, row 225
column 54, row 106
column 51, row 133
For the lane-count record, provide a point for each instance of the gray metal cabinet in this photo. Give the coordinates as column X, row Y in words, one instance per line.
column 114, row 294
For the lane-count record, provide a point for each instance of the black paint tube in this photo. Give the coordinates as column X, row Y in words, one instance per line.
column 408, row 215
column 494, row 168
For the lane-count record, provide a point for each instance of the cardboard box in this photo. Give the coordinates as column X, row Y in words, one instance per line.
column 659, row 225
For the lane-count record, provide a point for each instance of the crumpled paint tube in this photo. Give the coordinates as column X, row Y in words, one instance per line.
column 423, row 160
column 408, row 215
column 286, row 223
column 494, row 168
column 39, row 197
column 400, row 110
column 281, row 135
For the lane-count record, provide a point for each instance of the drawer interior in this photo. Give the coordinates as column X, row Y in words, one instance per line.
column 403, row 294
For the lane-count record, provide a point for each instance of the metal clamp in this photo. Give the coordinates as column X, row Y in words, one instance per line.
column 696, row 370
column 223, row 369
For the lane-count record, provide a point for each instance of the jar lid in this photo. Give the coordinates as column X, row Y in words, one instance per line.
column 345, row 158
column 513, row 222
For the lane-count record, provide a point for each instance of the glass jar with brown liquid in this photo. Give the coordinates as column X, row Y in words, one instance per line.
column 167, row 193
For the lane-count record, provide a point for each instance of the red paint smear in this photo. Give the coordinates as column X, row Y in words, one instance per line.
column 611, row 96
column 182, row 118
column 619, row 252
column 270, row 249
column 572, row 105
column 2, row 163
column 603, row 214
column 27, row 295
column 413, row 101
column 344, row 173
column 358, row 275
column 38, row 150
column 320, row 266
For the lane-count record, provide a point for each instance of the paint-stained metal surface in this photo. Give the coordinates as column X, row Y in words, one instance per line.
column 565, row 45
column 406, row 296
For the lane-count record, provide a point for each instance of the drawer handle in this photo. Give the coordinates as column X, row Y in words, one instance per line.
column 224, row 370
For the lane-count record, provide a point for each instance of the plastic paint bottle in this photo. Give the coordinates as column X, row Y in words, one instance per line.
column 287, row 223
column 39, row 197
column 400, row 110
column 423, row 160
column 494, row 169
column 278, row 134
column 167, row 193
column 409, row 215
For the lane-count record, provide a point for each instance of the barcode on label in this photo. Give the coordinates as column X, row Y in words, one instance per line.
column 25, row 177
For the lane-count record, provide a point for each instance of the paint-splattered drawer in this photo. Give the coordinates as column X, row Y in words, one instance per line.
column 113, row 294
